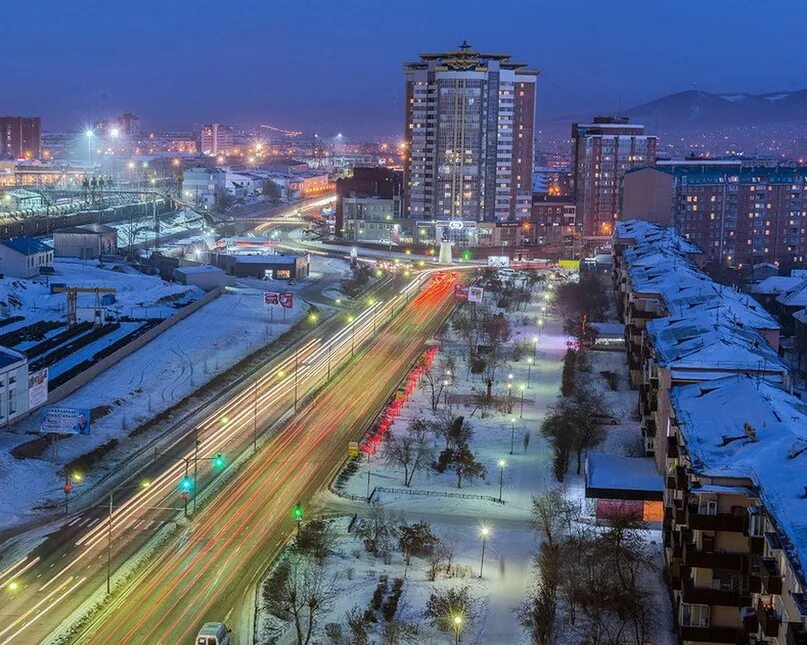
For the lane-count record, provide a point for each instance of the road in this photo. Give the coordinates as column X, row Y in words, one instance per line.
column 204, row 575
column 70, row 567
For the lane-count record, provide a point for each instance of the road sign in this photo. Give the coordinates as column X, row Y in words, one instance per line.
column 286, row 299
column 498, row 261
column 271, row 298
column 460, row 292
column 353, row 449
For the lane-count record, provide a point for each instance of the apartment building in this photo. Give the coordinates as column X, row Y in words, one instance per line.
column 735, row 512
column 738, row 213
column 20, row 137
column 216, row 139
column 469, row 138
column 602, row 152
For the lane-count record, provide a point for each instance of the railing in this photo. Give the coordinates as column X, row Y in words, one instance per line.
column 432, row 493
column 769, row 621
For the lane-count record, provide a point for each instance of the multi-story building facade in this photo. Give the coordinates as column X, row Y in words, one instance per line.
column 367, row 183
column 216, row 139
column 738, row 213
column 735, row 517
column 553, row 225
column 602, row 152
column 469, row 138
column 20, row 137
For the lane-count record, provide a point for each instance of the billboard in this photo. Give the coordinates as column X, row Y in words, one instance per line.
column 475, row 294
column 64, row 420
column 37, row 388
column 286, row 299
column 569, row 264
column 460, row 292
column 270, row 298
column 498, row 261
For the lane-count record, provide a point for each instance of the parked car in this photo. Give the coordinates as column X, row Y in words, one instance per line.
column 214, row 634
column 605, row 419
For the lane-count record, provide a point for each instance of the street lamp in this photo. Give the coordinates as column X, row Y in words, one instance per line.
column 484, row 531
column 114, row 133
column 457, row 623
column 502, row 464
column 512, row 432
column 89, row 134
column 521, row 414
column 530, row 361
column 535, row 342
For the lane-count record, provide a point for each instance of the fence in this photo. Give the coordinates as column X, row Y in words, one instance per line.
column 432, row 493
column 105, row 363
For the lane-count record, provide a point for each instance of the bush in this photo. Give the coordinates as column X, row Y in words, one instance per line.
column 346, row 473
column 378, row 594
column 334, row 633
column 612, row 378
column 391, row 606
column 443, row 605
column 272, row 589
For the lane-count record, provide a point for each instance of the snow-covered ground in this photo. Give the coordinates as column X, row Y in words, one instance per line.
column 150, row 380
column 511, row 540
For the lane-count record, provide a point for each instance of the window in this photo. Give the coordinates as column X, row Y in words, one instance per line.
column 694, row 615
column 707, row 507
column 755, row 523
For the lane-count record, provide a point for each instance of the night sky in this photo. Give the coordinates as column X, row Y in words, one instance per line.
column 335, row 65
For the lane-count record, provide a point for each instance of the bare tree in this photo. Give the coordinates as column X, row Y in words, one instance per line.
column 317, row 538
column 376, row 531
column 355, row 622
column 416, row 540
column 304, row 596
column 538, row 612
column 551, row 514
column 410, row 451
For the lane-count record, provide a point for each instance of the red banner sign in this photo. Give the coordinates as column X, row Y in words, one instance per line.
column 286, row 299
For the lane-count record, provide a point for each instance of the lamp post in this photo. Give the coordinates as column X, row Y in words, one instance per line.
column 512, row 432
column 535, row 343
column 502, row 464
column 529, row 370
column 485, row 531
column 521, row 413
column 89, row 134
column 457, row 623
column 114, row 134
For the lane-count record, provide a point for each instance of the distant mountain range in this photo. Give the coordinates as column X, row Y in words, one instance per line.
column 703, row 109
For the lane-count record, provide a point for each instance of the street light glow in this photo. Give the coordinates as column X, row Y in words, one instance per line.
column 89, row 134
column 502, row 463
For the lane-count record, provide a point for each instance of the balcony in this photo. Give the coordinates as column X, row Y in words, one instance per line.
column 672, row 448
column 769, row 620
column 714, row 559
column 681, row 478
column 750, row 620
column 757, row 546
column 771, row 576
column 796, row 634
column 709, row 596
column 718, row 522
column 713, row 634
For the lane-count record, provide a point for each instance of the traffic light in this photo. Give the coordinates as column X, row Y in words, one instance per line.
column 218, row 462
column 186, row 485
column 298, row 512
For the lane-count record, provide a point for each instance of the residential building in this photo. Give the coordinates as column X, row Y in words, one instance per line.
column 375, row 219
column 24, row 257
column 203, row 186
column 468, row 138
column 13, row 385
column 739, row 213
column 371, row 182
column 129, row 125
column 553, row 225
column 800, row 341
column 216, row 139
column 20, row 137
column 89, row 241
column 735, row 517
column 602, row 152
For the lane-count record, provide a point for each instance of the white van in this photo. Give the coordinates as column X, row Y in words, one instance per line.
column 213, row 634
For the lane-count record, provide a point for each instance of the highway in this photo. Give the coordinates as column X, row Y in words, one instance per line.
column 230, row 540
column 204, row 575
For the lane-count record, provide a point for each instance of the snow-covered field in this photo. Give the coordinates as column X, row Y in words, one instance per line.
column 511, row 540
column 150, row 380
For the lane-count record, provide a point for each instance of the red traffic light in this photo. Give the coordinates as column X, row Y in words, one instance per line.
column 67, row 488
column 185, row 496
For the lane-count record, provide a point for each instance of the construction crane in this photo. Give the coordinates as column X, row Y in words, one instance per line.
column 72, row 301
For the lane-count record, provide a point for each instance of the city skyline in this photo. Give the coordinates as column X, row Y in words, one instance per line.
column 231, row 72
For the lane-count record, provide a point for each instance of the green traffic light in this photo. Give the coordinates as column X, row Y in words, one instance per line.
column 298, row 512
column 186, row 484
column 218, row 461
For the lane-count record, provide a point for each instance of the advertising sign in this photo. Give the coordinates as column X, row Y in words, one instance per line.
column 64, row 420
column 353, row 449
column 37, row 388
column 270, row 298
column 286, row 299
column 498, row 261
column 475, row 294
column 460, row 292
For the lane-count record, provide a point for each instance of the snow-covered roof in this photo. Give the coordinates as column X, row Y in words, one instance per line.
column 607, row 329
column 701, row 342
column 9, row 357
column 739, row 427
column 205, row 268
column 622, row 473
column 644, row 233
column 26, row 245
column 796, row 296
column 801, row 316
column 774, row 285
